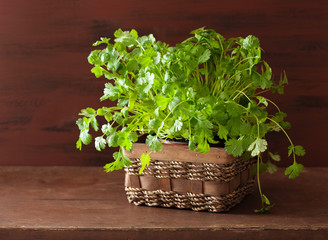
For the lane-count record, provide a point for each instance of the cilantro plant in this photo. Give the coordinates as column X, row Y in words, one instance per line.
column 204, row 90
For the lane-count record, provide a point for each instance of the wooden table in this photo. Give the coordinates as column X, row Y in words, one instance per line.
column 86, row 203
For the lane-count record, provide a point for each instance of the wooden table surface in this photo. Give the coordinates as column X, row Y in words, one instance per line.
column 86, row 203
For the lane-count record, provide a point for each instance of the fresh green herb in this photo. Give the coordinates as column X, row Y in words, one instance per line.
column 205, row 90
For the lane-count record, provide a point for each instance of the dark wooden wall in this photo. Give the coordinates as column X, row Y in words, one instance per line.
column 45, row 78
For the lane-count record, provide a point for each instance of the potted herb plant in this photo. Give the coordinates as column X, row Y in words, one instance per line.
column 207, row 91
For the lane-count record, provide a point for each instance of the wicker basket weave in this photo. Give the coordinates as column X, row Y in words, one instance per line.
column 178, row 177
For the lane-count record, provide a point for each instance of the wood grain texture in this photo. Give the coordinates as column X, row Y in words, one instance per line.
column 181, row 153
column 45, row 78
column 86, row 203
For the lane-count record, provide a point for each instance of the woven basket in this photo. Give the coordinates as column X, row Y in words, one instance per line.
column 178, row 177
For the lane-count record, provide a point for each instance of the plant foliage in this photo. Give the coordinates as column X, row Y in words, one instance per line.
column 205, row 90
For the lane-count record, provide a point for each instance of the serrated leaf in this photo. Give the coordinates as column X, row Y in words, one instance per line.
column 271, row 168
column 119, row 163
column 94, row 123
column 176, row 100
column 79, row 144
column 100, row 143
column 97, row 71
column 234, row 147
column 294, row 170
column 258, row 146
column 223, row 132
column 203, row 147
column 85, row 137
column 132, row 99
column 275, row 157
column 234, row 109
column 88, row 112
column 134, row 33
column 192, row 144
column 112, row 140
column 81, row 124
column 144, row 160
column 299, row 150
column 124, row 139
column 102, row 40
column 154, row 123
column 205, row 56
column 177, row 126
column 106, row 113
column 250, row 42
column 162, row 102
column 125, row 38
column 154, row 144
column 290, row 150
column 133, row 136
column 107, row 129
column 111, row 92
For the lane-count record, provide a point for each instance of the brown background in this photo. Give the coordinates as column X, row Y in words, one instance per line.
column 45, row 78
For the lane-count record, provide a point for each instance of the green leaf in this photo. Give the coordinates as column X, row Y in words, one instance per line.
column 234, row 147
column 275, row 157
column 264, row 209
column 177, row 126
column 107, row 129
column 262, row 100
column 219, row 114
column 85, row 137
column 106, row 113
column 82, row 124
column 234, row 125
column 258, row 146
column 223, row 132
column 134, row 33
column 204, row 57
column 145, row 83
column 102, row 40
column 250, row 43
column 88, row 112
column 203, row 147
column 162, row 102
column 122, row 102
column 271, row 168
column 94, row 123
column 290, row 150
column 294, row 170
column 126, row 161
column 132, row 99
column 192, row 144
column 154, row 123
column 124, row 139
column 175, row 101
column 119, row 163
column 144, row 160
column 154, row 144
column 133, row 136
column 100, row 143
column 234, row 109
column 112, row 140
column 203, row 133
column 97, row 71
column 125, row 37
column 299, row 150
column 111, row 92
column 79, row 144
column 265, row 199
